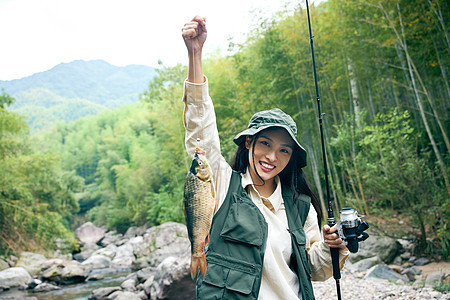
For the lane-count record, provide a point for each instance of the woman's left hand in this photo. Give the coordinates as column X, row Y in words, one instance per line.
column 332, row 238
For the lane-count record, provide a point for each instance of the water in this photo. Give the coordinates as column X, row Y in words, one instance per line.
column 79, row 291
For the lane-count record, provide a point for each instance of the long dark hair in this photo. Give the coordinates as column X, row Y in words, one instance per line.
column 291, row 176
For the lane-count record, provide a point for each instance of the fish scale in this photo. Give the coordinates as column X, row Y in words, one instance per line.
column 199, row 205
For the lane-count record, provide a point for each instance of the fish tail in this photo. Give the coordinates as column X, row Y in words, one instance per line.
column 198, row 262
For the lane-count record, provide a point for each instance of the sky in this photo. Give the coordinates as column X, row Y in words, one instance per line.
column 36, row 35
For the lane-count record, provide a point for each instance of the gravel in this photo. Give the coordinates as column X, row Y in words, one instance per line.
column 354, row 287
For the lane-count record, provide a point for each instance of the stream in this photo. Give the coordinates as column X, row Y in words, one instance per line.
column 79, row 291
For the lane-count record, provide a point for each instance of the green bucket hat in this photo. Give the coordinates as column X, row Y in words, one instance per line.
column 273, row 118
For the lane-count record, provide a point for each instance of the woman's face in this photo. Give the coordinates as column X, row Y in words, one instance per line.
column 272, row 152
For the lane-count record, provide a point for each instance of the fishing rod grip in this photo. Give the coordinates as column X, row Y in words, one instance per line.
column 335, row 262
column 334, row 251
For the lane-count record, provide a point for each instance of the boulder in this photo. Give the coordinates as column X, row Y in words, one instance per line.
column 103, row 293
column 45, row 287
column 124, row 256
column 175, row 283
column 97, row 262
column 364, row 264
column 31, row 262
column 119, row 295
column 384, row 272
column 64, row 271
column 110, row 238
column 3, row 265
column 13, row 277
column 386, row 248
column 88, row 233
column 168, row 239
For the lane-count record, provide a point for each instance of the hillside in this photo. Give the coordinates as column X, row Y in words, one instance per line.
column 72, row 90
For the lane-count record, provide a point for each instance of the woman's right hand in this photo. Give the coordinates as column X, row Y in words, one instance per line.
column 194, row 34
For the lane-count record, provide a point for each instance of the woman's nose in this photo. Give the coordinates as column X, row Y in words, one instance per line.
column 271, row 156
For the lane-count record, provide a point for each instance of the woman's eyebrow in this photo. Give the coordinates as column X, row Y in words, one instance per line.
column 284, row 145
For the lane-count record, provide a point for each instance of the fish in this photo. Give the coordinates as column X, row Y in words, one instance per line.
column 199, row 205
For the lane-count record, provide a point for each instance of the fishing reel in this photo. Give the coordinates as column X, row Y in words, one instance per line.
column 351, row 228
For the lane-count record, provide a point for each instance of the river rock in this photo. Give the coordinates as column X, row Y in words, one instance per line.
column 103, row 293
column 45, row 287
column 384, row 272
column 123, row 296
column 168, row 239
column 175, row 283
column 364, row 264
column 97, row 262
column 65, row 272
column 386, row 248
column 32, row 262
column 124, row 256
column 88, row 233
column 110, row 238
column 109, row 251
column 3, row 265
column 13, row 277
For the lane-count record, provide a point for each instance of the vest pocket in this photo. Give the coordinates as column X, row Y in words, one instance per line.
column 227, row 278
column 300, row 239
column 240, row 225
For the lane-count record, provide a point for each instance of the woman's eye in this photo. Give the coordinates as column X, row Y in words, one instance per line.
column 265, row 143
column 285, row 151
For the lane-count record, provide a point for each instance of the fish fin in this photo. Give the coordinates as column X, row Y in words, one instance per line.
column 202, row 261
column 198, row 262
column 184, row 207
column 194, row 266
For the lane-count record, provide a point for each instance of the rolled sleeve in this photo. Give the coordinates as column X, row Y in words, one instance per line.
column 200, row 123
column 319, row 252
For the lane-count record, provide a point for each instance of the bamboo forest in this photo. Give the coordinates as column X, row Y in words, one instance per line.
column 383, row 77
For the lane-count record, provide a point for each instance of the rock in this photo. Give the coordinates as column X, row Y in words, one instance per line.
column 34, row 283
column 421, row 261
column 109, row 251
column 65, row 272
column 385, row 247
column 88, row 233
column 103, row 293
column 3, row 265
column 129, row 285
column 45, row 287
column 98, row 274
column 144, row 274
column 124, row 256
column 110, row 239
column 31, row 262
column 12, row 260
column 364, row 264
column 168, row 239
column 433, row 279
column 97, row 262
column 13, row 277
column 147, row 285
column 176, row 282
column 87, row 251
column 123, row 296
column 384, row 272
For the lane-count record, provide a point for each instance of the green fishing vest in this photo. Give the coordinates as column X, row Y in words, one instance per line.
column 237, row 244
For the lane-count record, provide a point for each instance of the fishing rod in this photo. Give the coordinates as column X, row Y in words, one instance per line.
column 331, row 220
column 350, row 227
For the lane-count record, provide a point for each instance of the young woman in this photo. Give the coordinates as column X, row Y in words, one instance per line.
column 265, row 241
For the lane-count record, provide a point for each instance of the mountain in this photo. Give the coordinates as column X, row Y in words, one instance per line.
column 72, row 90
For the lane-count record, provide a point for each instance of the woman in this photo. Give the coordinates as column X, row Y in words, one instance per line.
column 265, row 242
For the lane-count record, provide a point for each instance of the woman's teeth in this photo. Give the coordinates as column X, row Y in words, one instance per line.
column 267, row 166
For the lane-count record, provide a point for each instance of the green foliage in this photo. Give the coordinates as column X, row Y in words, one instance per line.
column 397, row 175
column 36, row 197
